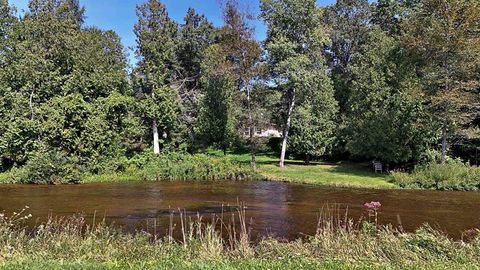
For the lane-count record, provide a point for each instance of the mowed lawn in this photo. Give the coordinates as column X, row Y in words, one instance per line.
column 344, row 174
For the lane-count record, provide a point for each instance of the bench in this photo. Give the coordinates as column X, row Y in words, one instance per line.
column 377, row 166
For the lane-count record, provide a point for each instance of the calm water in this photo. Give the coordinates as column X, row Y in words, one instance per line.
column 278, row 209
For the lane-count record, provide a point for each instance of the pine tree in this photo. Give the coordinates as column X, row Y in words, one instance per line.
column 156, row 35
column 217, row 121
column 196, row 35
column 443, row 38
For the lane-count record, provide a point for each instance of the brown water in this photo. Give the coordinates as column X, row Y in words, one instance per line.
column 276, row 209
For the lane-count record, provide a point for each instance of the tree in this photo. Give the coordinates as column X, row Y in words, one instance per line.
column 99, row 65
column 217, row 119
column 57, row 81
column 243, row 52
column 443, row 38
column 313, row 126
column 386, row 120
column 348, row 22
column 62, row 10
column 196, row 35
column 295, row 40
column 389, row 14
column 156, row 34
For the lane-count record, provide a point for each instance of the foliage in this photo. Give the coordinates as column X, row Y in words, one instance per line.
column 74, row 243
column 385, row 119
column 50, row 166
column 175, row 166
column 216, row 120
column 196, row 35
column 359, row 79
column 156, row 39
column 295, row 40
column 348, row 24
column 442, row 39
column 312, row 129
column 453, row 175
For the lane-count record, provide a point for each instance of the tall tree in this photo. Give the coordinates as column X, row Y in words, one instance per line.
column 387, row 121
column 156, row 34
column 217, row 120
column 443, row 37
column 295, row 40
column 348, row 22
column 243, row 52
column 196, row 35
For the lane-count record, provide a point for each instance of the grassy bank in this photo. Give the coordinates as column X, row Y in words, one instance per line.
column 72, row 244
column 144, row 167
column 345, row 174
column 199, row 167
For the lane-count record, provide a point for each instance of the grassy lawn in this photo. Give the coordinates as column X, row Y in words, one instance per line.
column 343, row 174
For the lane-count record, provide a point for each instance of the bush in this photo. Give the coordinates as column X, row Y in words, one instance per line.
column 179, row 166
column 454, row 175
column 49, row 167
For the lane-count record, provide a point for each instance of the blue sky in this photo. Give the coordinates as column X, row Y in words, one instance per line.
column 119, row 15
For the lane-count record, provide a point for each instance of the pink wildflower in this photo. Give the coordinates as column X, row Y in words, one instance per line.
column 372, row 206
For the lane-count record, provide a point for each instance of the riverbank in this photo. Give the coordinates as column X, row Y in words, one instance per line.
column 216, row 166
column 72, row 244
column 342, row 174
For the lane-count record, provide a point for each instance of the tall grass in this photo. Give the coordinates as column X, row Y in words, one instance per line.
column 225, row 243
column 176, row 167
column 451, row 176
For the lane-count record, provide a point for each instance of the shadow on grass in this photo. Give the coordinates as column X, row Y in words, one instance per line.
column 345, row 168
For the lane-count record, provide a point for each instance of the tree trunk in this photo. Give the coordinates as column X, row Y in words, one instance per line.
column 286, row 130
column 156, row 142
column 444, row 144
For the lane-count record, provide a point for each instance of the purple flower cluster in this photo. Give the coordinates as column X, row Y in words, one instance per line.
column 372, row 206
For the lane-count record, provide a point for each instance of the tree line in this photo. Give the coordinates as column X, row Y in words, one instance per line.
column 391, row 80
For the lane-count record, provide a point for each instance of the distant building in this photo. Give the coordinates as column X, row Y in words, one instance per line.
column 267, row 131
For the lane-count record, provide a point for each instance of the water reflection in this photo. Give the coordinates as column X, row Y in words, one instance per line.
column 280, row 209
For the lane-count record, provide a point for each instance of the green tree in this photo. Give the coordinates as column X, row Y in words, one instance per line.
column 443, row 38
column 196, row 35
column 56, row 76
column 313, row 126
column 295, row 40
column 386, row 120
column 156, row 35
column 243, row 52
column 348, row 22
column 217, row 119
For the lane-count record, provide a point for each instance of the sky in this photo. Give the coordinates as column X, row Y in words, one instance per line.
column 119, row 15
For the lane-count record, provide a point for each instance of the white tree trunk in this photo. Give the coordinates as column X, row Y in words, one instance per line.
column 287, row 130
column 156, row 141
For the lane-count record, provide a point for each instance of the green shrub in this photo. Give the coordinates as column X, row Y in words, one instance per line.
column 454, row 175
column 49, row 167
column 179, row 166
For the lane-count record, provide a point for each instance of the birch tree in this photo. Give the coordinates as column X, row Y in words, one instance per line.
column 295, row 40
column 156, row 35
